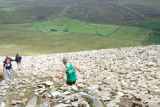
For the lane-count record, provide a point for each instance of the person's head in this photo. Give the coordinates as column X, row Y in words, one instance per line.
column 64, row 61
column 17, row 54
column 8, row 61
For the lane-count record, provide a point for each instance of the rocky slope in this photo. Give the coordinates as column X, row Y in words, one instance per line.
column 123, row 77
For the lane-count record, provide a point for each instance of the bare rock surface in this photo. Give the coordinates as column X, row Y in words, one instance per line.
column 122, row 77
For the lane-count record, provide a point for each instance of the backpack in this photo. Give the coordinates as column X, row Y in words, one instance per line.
column 8, row 66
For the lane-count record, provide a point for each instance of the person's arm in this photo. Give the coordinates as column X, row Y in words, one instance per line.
column 12, row 59
column 4, row 63
column 61, row 73
column 77, row 68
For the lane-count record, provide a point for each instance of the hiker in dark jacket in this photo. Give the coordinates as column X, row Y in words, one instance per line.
column 7, row 68
column 18, row 60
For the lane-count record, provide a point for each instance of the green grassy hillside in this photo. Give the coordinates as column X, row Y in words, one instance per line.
column 64, row 35
column 47, row 26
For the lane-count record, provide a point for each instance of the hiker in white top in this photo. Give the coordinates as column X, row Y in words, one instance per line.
column 7, row 69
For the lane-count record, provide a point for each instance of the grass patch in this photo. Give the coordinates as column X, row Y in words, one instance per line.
column 73, row 26
column 153, row 36
column 152, row 24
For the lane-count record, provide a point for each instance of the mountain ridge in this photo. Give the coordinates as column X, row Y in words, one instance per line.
column 98, row 11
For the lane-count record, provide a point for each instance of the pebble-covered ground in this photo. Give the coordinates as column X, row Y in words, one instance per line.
column 123, row 77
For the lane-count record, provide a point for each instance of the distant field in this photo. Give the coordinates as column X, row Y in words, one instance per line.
column 66, row 35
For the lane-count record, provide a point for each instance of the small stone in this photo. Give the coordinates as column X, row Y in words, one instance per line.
column 75, row 88
column 63, row 105
column 2, row 104
column 14, row 102
column 48, row 83
column 83, row 104
column 67, row 93
column 56, row 94
column 74, row 104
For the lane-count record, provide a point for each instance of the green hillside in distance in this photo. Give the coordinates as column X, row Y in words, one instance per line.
column 49, row 26
column 57, row 36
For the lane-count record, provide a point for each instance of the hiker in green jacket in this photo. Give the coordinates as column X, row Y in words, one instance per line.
column 70, row 70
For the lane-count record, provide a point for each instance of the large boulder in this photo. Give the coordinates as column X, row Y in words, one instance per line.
column 125, row 101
